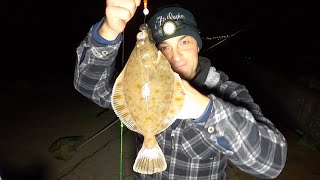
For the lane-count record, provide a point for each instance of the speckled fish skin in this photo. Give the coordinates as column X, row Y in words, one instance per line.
column 146, row 97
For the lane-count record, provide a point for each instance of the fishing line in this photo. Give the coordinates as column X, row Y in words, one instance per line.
column 121, row 124
column 121, row 152
column 145, row 10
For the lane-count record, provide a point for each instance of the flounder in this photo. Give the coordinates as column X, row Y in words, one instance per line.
column 146, row 97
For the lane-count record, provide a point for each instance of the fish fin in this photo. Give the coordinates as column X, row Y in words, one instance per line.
column 150, row 160
column 178, row 98
column 119, row 105
column 166, row 123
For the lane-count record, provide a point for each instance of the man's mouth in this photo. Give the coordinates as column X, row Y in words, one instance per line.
column 179, row 66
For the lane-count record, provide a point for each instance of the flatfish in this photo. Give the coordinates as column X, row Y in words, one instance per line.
column 146, row 97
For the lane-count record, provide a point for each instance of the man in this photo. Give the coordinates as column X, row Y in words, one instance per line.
column 223, row 124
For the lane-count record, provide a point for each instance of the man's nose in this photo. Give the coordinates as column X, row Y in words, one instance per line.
column 176, row 54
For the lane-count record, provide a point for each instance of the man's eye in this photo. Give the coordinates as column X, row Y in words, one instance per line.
column 184, row 42
column 164, row 48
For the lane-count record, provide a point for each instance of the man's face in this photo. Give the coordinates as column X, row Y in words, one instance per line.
column 182, row 54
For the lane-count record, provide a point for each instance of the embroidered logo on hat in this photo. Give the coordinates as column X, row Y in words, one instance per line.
column 160, row 20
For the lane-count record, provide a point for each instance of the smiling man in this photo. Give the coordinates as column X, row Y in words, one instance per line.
column 221, row 122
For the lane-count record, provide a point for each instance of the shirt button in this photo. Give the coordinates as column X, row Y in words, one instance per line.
column 104, row 53
column 211, row 129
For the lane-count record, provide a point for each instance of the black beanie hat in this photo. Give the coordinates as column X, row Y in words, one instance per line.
column 184, row 19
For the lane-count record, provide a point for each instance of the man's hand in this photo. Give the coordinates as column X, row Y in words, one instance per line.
column 117, row 14
column 195, row 103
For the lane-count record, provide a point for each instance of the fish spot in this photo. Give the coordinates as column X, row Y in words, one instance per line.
column 159, row 124
column 178, row 99
column 117, row 96
column 139, row 86
column 129, row 98
column 120, row 108
column 163, row 112
column 167, row 96
column 182, row 92
column 125, row 115
column 137, row 126
column 134, row 127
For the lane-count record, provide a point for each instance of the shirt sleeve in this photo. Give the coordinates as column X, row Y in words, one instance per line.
column 94, row 73
column 99, row 39
column 253, row 146
column 237, row 128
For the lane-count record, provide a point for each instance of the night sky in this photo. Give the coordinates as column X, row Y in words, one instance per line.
column 40, row 38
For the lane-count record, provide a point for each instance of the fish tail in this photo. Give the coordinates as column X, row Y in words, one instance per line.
column 150, row 159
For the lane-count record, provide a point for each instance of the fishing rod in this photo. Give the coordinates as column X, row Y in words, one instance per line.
column 224, row 38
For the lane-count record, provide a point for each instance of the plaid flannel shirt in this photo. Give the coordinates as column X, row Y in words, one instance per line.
column 236, row 132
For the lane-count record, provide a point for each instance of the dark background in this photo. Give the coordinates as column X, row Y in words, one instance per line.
column 274, row 54
column 40, row 39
